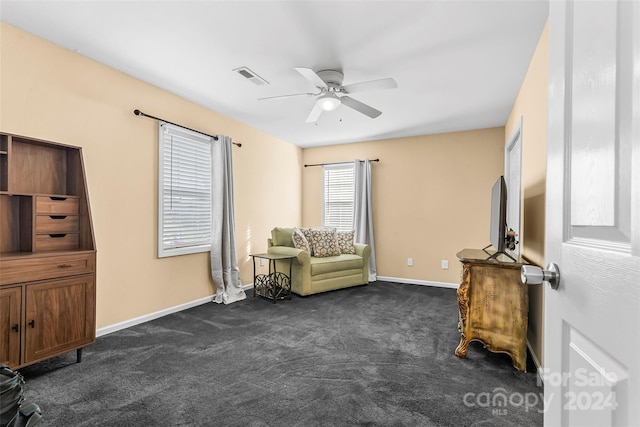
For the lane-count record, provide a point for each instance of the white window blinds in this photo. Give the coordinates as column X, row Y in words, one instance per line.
column 338, row 196
column 184, row 191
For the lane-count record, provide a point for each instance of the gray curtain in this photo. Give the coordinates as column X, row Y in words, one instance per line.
column 224, row 261
column 363, row 212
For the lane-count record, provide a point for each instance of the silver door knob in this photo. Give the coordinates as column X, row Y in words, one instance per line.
column 532, row 275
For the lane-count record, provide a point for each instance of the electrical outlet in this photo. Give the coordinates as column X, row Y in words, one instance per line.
column 410, row 262
column 445, row 264
column 261, row 262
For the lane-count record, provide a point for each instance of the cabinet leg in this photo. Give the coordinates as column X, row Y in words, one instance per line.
column 79, row 355
column 461, row 350
column 519, row 361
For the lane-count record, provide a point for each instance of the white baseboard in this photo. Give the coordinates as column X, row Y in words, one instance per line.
column 151, row 316
column 419, row 282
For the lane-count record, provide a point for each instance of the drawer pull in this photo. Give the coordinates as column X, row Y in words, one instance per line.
column 57, row 198
column 15, row 328
column 32, row 324
column 65, row 266
column 57, row 236
column 57, row 216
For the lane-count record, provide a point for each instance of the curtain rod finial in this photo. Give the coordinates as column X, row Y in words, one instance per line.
column 137, row 112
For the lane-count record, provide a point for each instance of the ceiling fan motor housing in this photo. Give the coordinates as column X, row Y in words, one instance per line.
column 333, row 78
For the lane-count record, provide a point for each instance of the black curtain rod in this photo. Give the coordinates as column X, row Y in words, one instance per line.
column 339, row 163
column 215, row 138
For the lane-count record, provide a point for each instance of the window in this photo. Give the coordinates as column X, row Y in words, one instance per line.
column 184, row 191
column 338, row 196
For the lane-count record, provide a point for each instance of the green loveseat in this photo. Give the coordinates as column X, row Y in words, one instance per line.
column 311, row 275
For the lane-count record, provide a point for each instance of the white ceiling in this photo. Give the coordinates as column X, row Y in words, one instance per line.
column 458, row 64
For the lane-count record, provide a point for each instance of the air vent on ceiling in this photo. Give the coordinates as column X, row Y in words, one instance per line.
column 251, row 76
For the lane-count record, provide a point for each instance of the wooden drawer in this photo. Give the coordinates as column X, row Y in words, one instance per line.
column 56, row 242
column 56, row 224
column 57, row 205
column 32, row 268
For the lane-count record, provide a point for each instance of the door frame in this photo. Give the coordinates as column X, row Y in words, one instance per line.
column 514, row 142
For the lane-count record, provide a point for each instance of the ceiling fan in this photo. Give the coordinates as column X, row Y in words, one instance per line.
column 331, row 93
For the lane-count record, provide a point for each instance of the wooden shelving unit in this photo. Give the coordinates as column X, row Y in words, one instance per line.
column 47, row 252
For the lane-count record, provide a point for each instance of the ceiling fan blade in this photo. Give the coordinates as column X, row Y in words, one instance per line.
column 360, row 107
column 315, row 113
column 289, row 96
column 311, row 75
column 387, row 83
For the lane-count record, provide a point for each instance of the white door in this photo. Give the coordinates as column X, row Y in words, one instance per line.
column 592, row 322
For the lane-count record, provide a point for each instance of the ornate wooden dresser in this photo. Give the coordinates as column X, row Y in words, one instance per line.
column 494, row 306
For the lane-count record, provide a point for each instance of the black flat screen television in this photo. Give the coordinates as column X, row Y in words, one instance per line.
column 498, row 225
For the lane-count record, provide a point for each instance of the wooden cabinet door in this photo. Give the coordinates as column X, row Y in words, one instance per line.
column 60, row 316
column 10, row 326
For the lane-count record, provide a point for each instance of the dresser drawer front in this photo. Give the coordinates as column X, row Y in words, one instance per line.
column 57, row 205
column 56, row 242
column 56, row 224
column 29, row 269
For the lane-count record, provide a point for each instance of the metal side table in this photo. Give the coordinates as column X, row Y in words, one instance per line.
column 275, row 285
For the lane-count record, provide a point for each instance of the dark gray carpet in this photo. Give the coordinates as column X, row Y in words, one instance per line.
column 375, row 355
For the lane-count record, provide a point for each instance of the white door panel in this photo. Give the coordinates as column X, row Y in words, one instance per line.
column 592, row 321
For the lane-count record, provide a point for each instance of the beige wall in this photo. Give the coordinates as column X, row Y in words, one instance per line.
column 54, row 94
column 431, row 197
column 531, row 105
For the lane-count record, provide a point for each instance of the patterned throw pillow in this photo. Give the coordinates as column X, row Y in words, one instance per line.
column 300, row 241
column 345, row 242
column 307, row 235
column 324, row 243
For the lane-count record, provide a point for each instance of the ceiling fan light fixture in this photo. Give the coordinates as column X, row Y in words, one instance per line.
column 329, row 102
